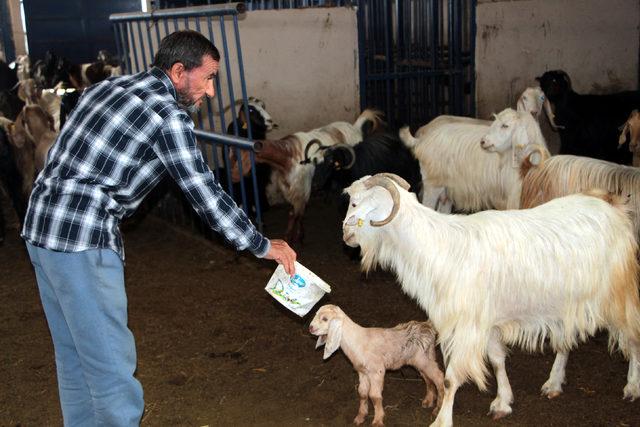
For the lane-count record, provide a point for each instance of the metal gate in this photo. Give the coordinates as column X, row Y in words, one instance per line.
column 417, row 58
column 138, row 36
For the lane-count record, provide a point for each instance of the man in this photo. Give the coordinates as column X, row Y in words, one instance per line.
column 122, row 138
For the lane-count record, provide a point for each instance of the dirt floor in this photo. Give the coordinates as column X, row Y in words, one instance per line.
column 215, row 349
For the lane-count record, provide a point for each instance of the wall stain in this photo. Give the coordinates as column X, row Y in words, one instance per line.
column 615, row 84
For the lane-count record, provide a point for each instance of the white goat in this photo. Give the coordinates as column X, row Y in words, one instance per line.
column 453, row 157
column 373, row 351
column 560, row 271
column 531, row 100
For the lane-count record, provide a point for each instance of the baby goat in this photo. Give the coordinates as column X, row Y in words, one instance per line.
column 374, row 350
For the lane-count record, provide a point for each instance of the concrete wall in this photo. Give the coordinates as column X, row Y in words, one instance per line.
column 595, row 41
column 304, row 64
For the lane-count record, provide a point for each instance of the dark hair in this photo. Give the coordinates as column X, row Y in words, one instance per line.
column 187, row 47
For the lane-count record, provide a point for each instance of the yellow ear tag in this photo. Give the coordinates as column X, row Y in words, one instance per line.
column 244, row 125
column 360, row 222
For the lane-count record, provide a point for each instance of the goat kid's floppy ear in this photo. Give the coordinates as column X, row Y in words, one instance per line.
column 333, row 338
column 322, row 339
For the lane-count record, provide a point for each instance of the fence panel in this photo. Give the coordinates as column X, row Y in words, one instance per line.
column 138, row 36
column 417, row 58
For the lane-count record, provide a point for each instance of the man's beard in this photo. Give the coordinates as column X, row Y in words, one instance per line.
column 185, row 102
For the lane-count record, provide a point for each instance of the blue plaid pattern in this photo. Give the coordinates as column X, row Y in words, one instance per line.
column 124, row 135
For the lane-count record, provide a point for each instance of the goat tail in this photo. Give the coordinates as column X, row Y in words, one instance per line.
column 369, row 115
column 409, row 140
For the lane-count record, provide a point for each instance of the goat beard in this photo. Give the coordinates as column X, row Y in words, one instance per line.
column 186, row 102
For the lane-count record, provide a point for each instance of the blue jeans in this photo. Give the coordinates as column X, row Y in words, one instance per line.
column 84, row 300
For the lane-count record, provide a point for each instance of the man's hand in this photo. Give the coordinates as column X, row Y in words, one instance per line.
column 283, row 254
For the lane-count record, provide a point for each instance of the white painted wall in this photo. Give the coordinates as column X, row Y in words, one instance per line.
column 595, row 41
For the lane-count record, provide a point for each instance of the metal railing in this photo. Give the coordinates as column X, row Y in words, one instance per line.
column 138, row 36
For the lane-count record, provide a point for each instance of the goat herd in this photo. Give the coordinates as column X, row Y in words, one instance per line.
column 552, row 256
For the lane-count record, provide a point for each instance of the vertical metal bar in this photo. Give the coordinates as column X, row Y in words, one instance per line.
column 166, row 26
column 361, row 17
column 126, row 47
column 231, row 99
column 133, row 47
column 243, row 86
column 388, row 54
column 143, row 55
column 472, row 55
column 151, row 51
column 200, row 122
column 119, row 50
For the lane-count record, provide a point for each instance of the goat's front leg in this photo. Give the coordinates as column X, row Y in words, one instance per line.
column 363, row 393
column 501, row 405
column 553, row 386
column 376, row 381
column 451, row 385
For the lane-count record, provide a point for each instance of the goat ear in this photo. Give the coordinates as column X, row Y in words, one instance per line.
column 333, row 338
column 322, row 339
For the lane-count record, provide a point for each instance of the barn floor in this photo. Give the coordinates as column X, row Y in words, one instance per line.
column 215, row 349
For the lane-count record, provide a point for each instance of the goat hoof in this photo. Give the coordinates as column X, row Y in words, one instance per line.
column 496, row 415
column 631, row 392
column 358, row 420
column 428, row 403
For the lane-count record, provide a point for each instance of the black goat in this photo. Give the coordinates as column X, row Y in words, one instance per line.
column 11, row 180
column 589, row 125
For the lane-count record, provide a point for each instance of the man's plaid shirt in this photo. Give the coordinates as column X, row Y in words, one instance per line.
column 124, row 135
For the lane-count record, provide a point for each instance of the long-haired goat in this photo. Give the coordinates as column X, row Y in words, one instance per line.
column 476, row 173
column 488, row 280
column 373, row 351
column 561, row 175
column 292, row 177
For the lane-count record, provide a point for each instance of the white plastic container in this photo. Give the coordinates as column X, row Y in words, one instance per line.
column 298, row 293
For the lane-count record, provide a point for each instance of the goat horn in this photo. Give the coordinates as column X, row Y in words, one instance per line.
column 384, row 180
column 397, row 179
column 351, row 151
column 308, row 147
